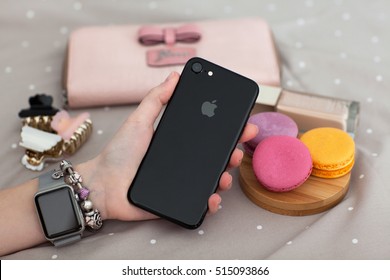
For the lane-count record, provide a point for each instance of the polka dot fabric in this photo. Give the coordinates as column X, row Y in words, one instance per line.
column 336, row 48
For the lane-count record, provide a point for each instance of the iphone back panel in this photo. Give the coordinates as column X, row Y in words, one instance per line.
column 193, row 142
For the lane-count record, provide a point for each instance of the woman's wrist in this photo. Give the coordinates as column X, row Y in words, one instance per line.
column 94, row 181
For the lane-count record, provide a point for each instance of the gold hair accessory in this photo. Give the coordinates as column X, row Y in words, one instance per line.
column 51, row 135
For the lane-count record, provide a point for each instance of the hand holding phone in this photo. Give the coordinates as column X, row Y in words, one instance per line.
column 193, row 142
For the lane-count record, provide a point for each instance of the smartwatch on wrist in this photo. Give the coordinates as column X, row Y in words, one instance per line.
column 59, row 213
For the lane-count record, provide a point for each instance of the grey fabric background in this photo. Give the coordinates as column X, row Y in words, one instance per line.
column 334, row 48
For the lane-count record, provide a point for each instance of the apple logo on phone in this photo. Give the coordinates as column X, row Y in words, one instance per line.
column 208, row 108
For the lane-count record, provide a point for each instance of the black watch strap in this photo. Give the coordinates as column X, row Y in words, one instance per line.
column 46, row 182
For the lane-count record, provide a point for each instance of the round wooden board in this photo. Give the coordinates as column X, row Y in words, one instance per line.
column 314, row 196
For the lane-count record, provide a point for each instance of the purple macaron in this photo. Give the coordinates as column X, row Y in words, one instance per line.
column 269, row 124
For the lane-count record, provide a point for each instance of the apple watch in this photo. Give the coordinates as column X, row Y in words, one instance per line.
column 58, row 210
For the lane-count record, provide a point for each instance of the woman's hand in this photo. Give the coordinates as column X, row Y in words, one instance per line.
column 110, row 174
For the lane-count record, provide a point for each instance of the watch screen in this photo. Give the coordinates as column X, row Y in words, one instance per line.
column 57, row 212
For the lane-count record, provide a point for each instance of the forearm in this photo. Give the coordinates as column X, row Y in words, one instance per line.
column 20, row 227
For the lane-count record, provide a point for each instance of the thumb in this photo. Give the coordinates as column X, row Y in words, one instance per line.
column 151, row 106
column 135, row 134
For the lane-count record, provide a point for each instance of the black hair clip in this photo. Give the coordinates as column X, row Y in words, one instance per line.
column 40, row 105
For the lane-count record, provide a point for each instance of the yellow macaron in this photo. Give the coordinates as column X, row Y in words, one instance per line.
column 332, row 151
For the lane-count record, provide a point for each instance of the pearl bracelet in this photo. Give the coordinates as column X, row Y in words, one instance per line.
column 92, row 216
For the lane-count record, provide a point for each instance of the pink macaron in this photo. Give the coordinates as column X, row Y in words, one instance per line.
column 269, row 124
column 281, row 163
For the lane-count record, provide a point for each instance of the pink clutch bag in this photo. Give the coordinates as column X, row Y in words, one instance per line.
column 116, row 65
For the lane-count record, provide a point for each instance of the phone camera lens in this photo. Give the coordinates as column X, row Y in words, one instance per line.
column 197, row 67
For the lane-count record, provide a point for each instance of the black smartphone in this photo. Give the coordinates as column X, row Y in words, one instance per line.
column 193, row 142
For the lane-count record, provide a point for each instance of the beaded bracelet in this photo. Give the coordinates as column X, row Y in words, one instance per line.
column 92, row 216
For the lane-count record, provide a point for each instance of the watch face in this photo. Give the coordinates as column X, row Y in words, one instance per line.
column 58, row 212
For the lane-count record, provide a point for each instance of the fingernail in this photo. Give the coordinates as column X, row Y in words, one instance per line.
column 219, row 203
column 231, row 182
column 241, row 157
column 170, row 76
column 229, row 186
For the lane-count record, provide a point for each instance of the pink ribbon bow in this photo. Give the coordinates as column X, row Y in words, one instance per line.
column 152, row 35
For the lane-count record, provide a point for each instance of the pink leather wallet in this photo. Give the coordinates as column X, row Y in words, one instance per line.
column 115, row 65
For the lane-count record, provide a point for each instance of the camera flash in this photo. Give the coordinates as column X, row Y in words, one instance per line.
column 210, row 73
